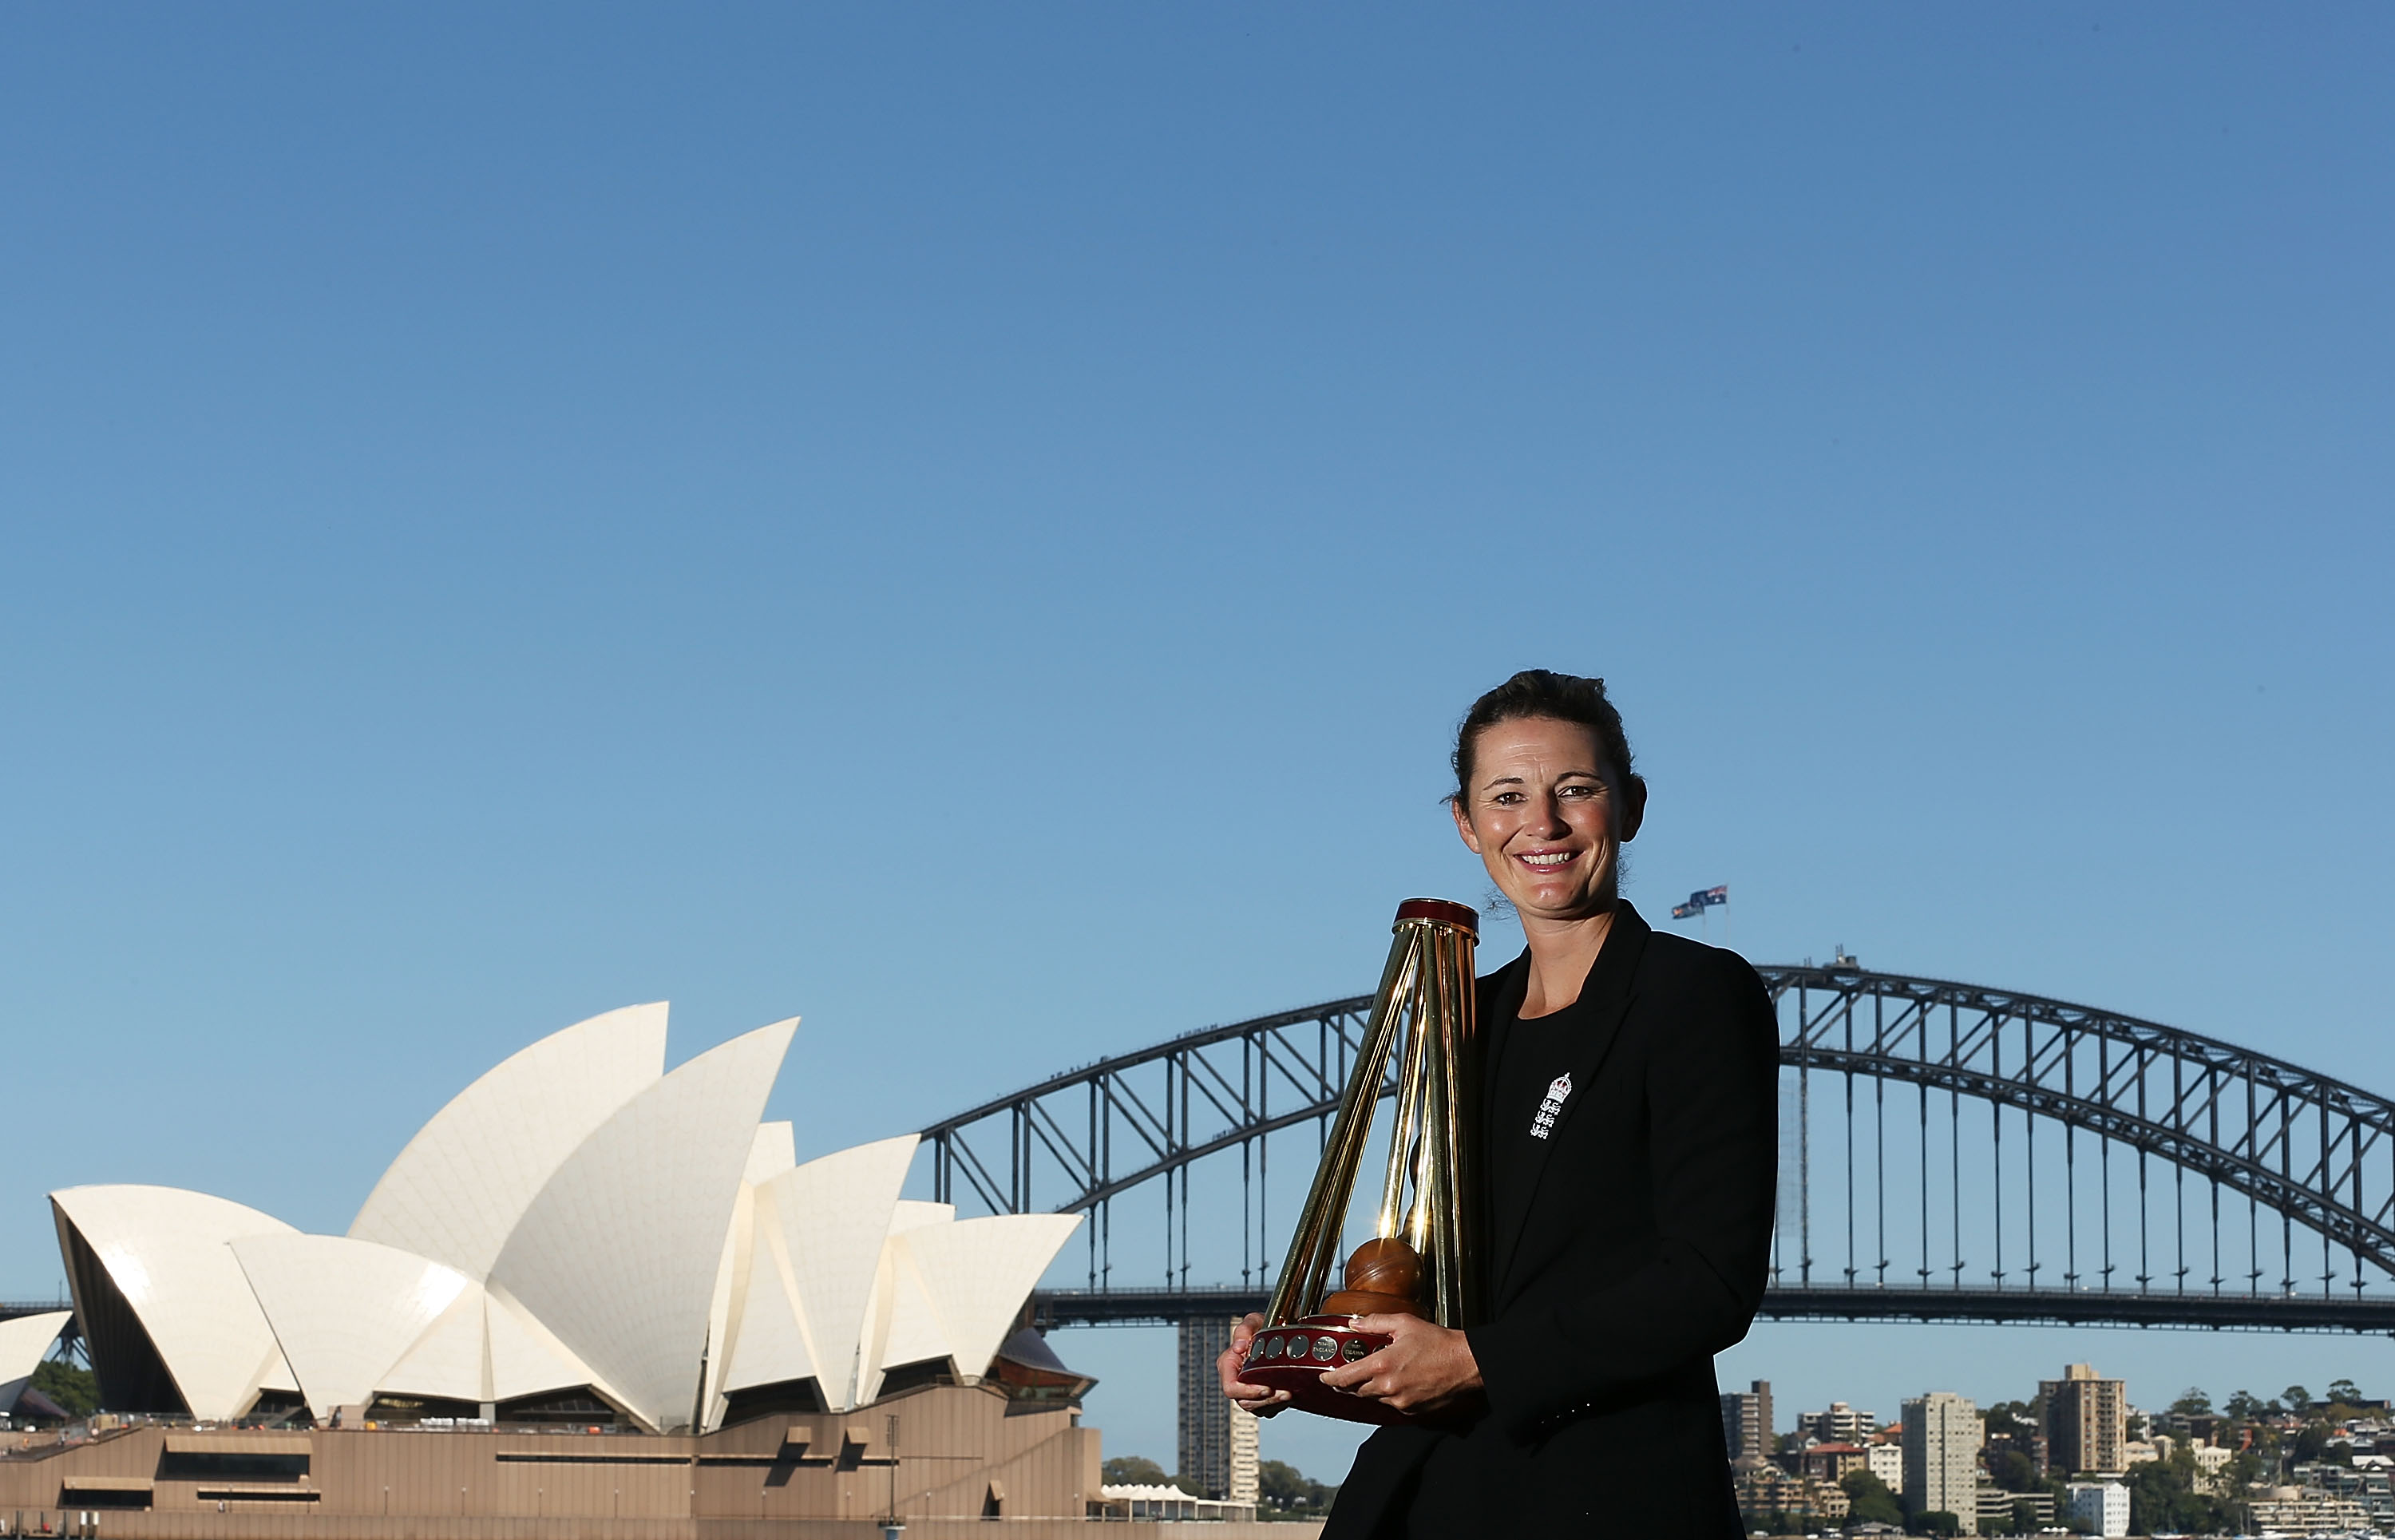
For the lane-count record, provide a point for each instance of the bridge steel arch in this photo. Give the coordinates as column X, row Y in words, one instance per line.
column 2316, row 1154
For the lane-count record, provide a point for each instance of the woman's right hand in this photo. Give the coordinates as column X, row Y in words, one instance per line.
column 1262, row 1400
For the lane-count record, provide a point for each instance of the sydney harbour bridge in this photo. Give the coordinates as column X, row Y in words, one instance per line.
column 1948, row 1152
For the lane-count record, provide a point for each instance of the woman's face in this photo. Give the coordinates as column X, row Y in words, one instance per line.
column 1548, row 813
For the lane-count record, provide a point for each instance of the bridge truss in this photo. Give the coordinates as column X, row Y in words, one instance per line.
column 1948, row 1152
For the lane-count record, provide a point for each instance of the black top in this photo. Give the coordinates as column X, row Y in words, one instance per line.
column 1622, row 1251
column 1459, row 1490
column 1529, row 1086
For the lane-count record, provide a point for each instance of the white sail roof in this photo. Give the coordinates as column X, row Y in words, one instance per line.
column 528, row 1360
column 585, row 1221
column 775, row 1151
column 345, row 1311
column 977, row 1273
column 830, row 1219
column 913, row 1331
column 356, row 1318
column 617, row 1255
column 911, row 1212
column 168, row 1251
column 451, row 1359
column 462, row 1184
column 24, row 1342
column 768, row 1343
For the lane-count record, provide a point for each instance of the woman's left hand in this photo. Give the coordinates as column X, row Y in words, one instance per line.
column 1424, row 1368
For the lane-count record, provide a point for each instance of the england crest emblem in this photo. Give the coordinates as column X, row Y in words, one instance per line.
column 1557, row 1089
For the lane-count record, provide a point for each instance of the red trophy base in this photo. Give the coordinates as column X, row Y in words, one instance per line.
column 1294, row 1358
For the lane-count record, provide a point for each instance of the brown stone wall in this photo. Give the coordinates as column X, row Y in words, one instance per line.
column 957, row 1450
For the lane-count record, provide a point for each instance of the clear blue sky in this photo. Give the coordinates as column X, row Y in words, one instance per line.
column 973, row 526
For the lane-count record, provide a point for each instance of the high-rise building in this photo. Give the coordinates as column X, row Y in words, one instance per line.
column 1886, row 1461
column 1218, row 1439
column 1840, row 1424
column 2086, row 1422
column 1746, row 1423
column 1942, row 1432
column 1246, row 1484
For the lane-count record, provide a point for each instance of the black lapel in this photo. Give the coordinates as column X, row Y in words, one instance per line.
column 1608, row 991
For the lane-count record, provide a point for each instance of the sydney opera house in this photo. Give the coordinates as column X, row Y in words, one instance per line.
column 588, row 1289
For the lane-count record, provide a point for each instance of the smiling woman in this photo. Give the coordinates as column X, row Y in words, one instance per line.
column 1544, row 795
column 1629, row 1159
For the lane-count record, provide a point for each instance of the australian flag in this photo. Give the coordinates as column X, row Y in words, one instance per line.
column 1699, row 901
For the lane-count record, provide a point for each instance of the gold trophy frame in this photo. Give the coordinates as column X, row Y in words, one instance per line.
column 1424, row 1258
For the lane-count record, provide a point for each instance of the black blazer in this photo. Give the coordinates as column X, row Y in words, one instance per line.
column 1640, row 1250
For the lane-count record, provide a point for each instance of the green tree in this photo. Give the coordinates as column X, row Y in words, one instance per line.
column 2163, row 1499
column 1285, row 1489
column 2021, row 1415
column 2297, row 1397
column 2311, row 1442
column 1871, row 1501
column 2011, row 1469
column 75, row 1391
column 1937, row 1522
column 2245, row 1406
column 2344, row 1392
column 2193, row 1403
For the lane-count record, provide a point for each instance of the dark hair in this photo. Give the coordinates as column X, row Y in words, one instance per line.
column 1545, row 694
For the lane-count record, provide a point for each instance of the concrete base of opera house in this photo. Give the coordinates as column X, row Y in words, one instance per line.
column 962, row 1457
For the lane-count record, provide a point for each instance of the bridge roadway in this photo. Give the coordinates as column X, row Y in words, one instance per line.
column 2013, row 1306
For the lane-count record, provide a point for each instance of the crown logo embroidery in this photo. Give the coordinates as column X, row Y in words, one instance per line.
column 1557, row 1089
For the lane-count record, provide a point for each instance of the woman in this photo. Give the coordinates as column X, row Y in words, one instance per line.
column 1630, row 1136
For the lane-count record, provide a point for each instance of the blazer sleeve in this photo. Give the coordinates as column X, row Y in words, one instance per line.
column 1712, row 1102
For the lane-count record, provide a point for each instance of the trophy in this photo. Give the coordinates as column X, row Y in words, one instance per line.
column 1423, row 1253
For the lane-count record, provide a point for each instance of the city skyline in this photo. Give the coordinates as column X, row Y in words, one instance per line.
column 2301, row 1462
column 1828, row 1371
